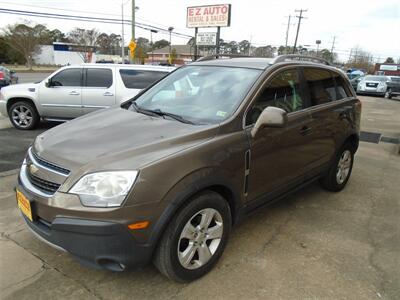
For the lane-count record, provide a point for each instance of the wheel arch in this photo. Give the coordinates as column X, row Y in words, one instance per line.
column 354, row 141
column 13, row 100
column 188, row 188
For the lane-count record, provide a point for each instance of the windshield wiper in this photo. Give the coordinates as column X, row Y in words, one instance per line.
column 158, row 112
column 171, row 115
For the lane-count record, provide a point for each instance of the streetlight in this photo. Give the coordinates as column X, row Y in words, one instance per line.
column 318, row 42
column 122, row 23
column 170, row 32
column 151, row 41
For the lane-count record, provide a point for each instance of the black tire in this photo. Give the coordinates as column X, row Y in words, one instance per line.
column 330, row 180
column 166, row 256
column 33, row 114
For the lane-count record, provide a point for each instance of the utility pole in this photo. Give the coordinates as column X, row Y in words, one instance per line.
column 170, row 46
column 123, row 40
column 133, row 24
column 333, row 47
column 298, row 27
column 287, row 33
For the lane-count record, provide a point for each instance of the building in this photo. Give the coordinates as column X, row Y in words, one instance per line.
column 61, row 54
column 184, row 54
column 387, row 69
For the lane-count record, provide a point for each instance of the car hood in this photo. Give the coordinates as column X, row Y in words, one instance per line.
column 116, row 139
column 19, row 87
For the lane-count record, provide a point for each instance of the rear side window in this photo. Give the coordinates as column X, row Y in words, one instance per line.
column 343, row 90
column 320, row 84
column 97, row 77
column 140, row 79
column 67, row 77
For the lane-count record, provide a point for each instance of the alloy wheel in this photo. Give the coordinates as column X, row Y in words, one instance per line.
column 343, row 168
column 22, row 116
column 200, row 238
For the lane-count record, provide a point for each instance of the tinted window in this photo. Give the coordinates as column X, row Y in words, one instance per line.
column 140, row 79
column 99, row 78
column 68, row 77
column 320, row 84
column 343, row 90
column 282, row 91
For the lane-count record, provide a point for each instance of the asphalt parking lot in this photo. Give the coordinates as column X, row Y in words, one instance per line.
column 314, row 244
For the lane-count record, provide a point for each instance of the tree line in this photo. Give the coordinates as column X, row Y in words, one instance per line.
column 19, row 42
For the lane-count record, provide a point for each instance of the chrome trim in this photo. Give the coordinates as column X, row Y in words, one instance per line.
column 75, row 105
column 28, row 185
column 62, row 105
column 33, row 159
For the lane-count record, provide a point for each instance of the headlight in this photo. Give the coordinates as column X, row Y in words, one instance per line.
column 104, row 189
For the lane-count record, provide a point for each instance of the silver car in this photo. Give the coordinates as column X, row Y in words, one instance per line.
column 373, row 85
column 74, row 91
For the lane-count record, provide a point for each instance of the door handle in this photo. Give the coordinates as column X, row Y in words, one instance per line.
column 305, row 130
column 74, row 93
column 108, row 94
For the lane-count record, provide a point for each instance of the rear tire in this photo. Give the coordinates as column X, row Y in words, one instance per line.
column 339, row 173
column 23, row 115
column 189, row 248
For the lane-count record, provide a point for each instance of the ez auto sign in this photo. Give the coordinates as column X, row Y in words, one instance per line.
column 209, row 16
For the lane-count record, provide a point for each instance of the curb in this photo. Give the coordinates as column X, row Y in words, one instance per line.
column 9, row 173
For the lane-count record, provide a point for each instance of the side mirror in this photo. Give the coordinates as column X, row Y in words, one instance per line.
column 47, row 83
column 270, row 117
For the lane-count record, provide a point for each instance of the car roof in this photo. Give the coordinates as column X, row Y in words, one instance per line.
column 129, row 66
column 243, row 62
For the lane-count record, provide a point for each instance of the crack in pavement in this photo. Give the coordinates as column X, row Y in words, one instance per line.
column 46, row 265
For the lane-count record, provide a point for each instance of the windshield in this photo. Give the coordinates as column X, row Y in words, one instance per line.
column 201, row 94
column 376, row 78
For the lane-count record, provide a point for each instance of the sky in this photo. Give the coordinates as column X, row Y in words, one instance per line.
column 373, row 26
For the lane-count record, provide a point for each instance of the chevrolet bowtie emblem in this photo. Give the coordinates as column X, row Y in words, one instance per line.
column 33, row 169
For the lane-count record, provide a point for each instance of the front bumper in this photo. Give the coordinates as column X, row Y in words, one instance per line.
column 96, row 243
column 3, row 108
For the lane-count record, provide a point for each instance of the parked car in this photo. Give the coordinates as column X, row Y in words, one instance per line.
column 355, row 81
column 5, row 77
column 373, row 85
column 393, row 87
column 73, row 91
column 166, row 175
column 14, row 77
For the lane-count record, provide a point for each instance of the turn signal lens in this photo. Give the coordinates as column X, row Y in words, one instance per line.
column 139, row 225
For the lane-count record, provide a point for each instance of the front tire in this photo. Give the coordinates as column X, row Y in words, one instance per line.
column 195, row 238
column 23, row 115
column 339, row 173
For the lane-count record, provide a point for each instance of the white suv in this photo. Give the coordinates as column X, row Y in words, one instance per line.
column 75, row 90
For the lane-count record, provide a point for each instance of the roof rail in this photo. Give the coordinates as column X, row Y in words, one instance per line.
column 298, row 57
column 221, row 56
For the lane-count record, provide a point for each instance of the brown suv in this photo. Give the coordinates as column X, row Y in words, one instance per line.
column 165, row 176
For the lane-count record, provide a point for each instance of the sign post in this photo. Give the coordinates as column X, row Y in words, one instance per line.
column 208, row 16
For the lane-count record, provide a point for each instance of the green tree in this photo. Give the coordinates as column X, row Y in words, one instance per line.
column 244, row 47
column 389, row 60
column 265, row 51
column 160, row 44
column 25, row 39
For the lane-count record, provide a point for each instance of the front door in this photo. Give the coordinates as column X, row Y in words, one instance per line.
column 279, row 156
column 62, row 97
column 99, row 89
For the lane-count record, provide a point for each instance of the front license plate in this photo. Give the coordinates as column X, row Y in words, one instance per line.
column 24, row 205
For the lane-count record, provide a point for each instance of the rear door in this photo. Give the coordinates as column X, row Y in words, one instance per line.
column 329, row 96
column 99, row 89
column 62, row 98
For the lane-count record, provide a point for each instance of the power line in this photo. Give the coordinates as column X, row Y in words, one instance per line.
column 298, row 26
column 87, row 19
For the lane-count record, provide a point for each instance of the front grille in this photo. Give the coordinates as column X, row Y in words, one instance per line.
column 374, row 85
column 49, row 165
column 43, row 185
